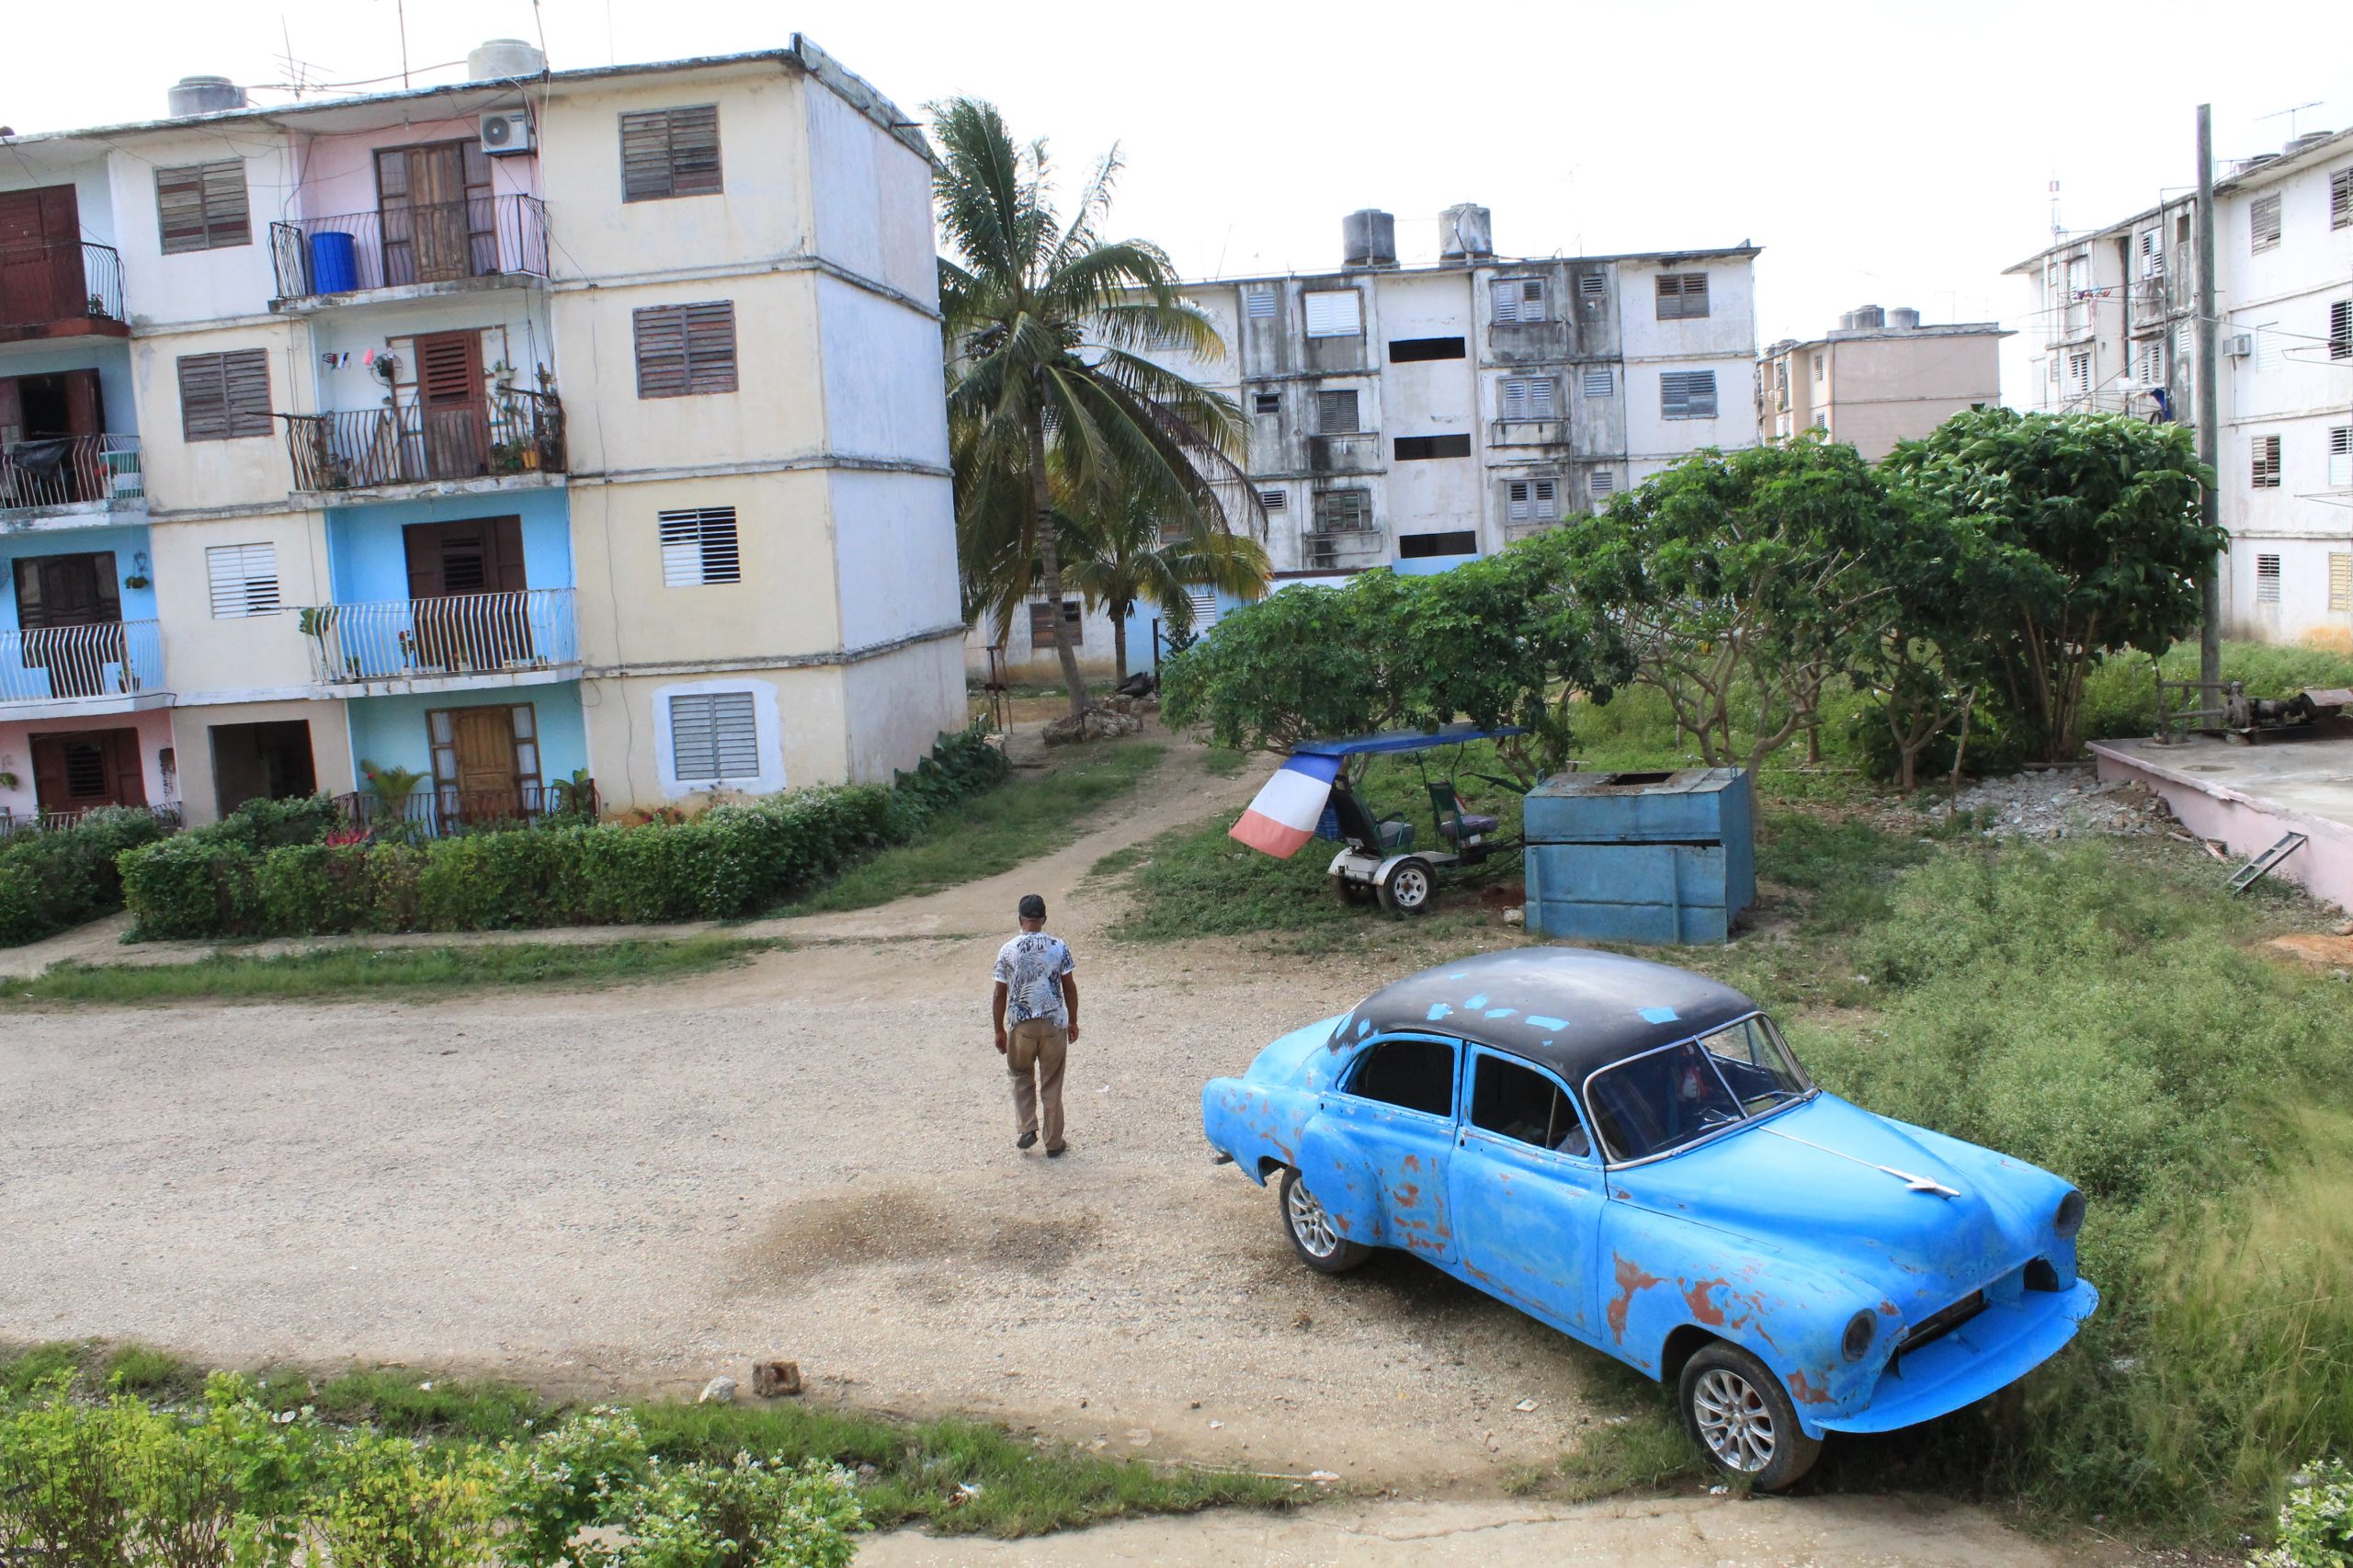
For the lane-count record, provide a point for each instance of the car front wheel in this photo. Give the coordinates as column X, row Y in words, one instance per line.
column 1742, row 1418
column 1313, row 1234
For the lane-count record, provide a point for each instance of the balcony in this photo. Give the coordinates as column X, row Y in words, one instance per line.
column 1357, row 453
column 166, row 813
column 462, row 642
column 1339, row 548
column 444, row 811
column 114, row 667
column 515, row 435
column 58, row 473
column 441, row 248
column 1528, row 432
column 61, row 289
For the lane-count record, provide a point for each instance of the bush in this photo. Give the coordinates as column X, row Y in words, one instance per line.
column 58, row 879
column 2315, row 1526
column 390, row 1503
column 261, row 824
column 750, row 1514
column 193, row 885
column 565, row 1480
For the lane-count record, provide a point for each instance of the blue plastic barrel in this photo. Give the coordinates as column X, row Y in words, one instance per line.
column 334, row 266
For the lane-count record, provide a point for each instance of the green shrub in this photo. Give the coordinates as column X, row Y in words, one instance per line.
column 59, row 879
column 389, row 1503
column 305, row 889
column 2316, row 1529
column 748, row 1514
column 260, row 825
column 565, row 1480
column 190, row 886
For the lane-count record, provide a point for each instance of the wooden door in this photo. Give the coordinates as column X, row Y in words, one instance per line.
column 88, row 768
column 453, row 570
column 434, row 205
column 40, row 256
column 454, row 416
column 487, row 780
column 70, row 610
column 85, row 476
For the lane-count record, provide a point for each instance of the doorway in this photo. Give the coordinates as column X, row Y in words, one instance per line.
column 485, row 762
column 40, row 256
column 45, row 460
column 454, row 571
column 84, row 770
column 433, row 204
column 70, row 612
column 453, row 419
column 268, row 761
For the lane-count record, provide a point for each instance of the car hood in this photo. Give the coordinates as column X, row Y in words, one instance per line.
column 1804, row 1182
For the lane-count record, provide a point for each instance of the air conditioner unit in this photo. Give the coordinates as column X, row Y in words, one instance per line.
column 2239, row 345
column 507, row 134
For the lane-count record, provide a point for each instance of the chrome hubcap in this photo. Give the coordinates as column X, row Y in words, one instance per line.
column 1409, row 887
column 1734, row 1420
column 1311, row 1224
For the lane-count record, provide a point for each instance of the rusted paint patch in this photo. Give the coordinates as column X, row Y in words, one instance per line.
column 1411, row 1163
column 1805, row 1391
column 1630, row 1278
column 1889, row 1307
column 1408, row 1194
column 1703, row 1309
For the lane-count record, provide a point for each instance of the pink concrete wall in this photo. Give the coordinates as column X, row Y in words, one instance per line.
column 154, row 728
column 338, row 172
column 2247, row 826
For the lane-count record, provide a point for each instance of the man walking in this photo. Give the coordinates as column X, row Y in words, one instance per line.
column 1037, row 995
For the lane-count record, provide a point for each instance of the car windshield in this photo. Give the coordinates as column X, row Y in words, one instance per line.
column 1662, row 1099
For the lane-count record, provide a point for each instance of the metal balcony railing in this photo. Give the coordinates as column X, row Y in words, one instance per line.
column 440, row 810
column 461, row 634
column 58, row 664
column 49, row 282
column 70, row 471
column 482, row 236
column 505, row 434
column 167, row 812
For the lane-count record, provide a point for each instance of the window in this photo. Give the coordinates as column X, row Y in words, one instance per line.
column 2340, row 329
column 1602, row 482
column 2152, row 361
column 1817, row 367
column 202, row 206
column 1258, row 301
column 1344, row 511
column 1415, row 449
column 683, row 350
column 2263, row 222
column 1335, row 413
column 1650, row 1104
column 2340, row 582
column 225, row 396
column 1687, row 395
column 698, row 546
column 1525, row 1105
column 2271, row 347
column 1682, row 295
column 1042, row 633
column 1532, row 501
column 1274, row 500
column 1334, row 312
column 2153, row 253
column 1593, row 289
column 1598, row 382
column 1202, row 601
column 713, row 735
column 1265, row 403
column 2266, row 454
column 1518, row 300
column 2341, row 199
column 1421, row 547
column 1822, row 421
column 2340, row 457
column 2079, row 375
column 1410, row 350
column 1417, row 1074
column 2267, row 579
column 670, row 151
column 1530, row 397
column 1753, row 1066
column 244, row 579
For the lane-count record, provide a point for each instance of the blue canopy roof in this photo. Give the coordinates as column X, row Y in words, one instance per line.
column 1402, row 740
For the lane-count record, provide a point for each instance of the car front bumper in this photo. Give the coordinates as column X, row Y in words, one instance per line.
column 1988, row 1353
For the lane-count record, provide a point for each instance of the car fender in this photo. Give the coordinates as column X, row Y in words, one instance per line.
column 1257, row 1124
column 1355, row 866
column 1342, row 1178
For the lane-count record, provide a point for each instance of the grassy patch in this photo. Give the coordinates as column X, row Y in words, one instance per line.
column 1225, row 761
column 359, row 971
column 1029, row 815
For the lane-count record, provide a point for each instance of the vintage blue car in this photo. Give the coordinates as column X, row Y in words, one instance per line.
column 1630, row 1153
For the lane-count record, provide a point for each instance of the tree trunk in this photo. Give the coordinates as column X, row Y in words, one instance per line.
column 1049, row 565
column 1120, row 643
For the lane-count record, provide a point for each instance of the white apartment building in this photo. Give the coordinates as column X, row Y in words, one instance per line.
column 2114, row 314
column 1415, row 417
column 544, row 426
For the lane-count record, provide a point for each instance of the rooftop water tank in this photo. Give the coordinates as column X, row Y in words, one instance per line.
column 1465, row 232
column 502, row 58
column 1369, row 239
column 2308, row 138
column 204, row 95
column 1903, row 318
column 1870, row 317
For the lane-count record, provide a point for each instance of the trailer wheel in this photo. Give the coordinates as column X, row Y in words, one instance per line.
column 1407, row 888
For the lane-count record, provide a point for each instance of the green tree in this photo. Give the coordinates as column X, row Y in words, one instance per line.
column 2083, row 539
column 1128, row 552
column 1042, row 320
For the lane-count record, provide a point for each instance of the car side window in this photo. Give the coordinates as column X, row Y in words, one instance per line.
column 1526, row 1106
column 1417, row 1074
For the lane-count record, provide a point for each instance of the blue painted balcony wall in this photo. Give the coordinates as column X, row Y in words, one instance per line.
column 391, row 731
column 367, row 560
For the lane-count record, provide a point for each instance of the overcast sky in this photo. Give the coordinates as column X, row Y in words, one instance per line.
column 1896, row 153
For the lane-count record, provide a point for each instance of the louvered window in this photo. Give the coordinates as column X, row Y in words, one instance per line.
column 2340, row 329
column 224, row 396
column 2079, row 375
column 1336, row 414
column 202, row 206
column 1518, row 299
column 1531, row 397
column 2271, row 347
column 2267, row 579
column 1817, row 367
column 2152, row 361
column 2340, row 582
column 244, row 580
column 1265, row 403
column 2263, row 222
column 2153, row 253
column 1602, row 482
column 1682, row 295
column 1687, row 395
column 1258, row 301
column 1344, row 511
column 713, row 735
column 2341, row 199
column 2264, row 467
column 1532, row 500
column 1204, row 605
column 1041, row 624
column 1334, row 312
column 1274, row 500
column 698, row 546
column 685, row 349
column 1599, row 381
column 1593, row 289
column 670, row 151
column 2340, row 457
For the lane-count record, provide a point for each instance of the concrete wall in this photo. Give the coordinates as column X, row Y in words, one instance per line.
column 251, row 658
column 231, row 283
column 192, row 731
column 154, row 727
column 246, row 471
column 126, row 541
column 391, row 731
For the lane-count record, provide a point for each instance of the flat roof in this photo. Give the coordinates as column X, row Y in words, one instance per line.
column 1866, row 334
column 1720, row 252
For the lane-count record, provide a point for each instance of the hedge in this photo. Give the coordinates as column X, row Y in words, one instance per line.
column 733, row 861
column 53, row 879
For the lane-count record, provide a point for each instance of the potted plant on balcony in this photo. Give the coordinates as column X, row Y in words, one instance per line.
column 392, row 787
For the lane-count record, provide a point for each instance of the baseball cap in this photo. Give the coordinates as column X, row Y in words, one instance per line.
column 1032, row 907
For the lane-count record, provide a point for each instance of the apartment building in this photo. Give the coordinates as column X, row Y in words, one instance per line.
column 1878, row 377
column 2114, row 314
column 1417, row 418
column 544, row 426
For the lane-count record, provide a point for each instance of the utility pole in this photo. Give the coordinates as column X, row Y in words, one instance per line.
column 2209, row 419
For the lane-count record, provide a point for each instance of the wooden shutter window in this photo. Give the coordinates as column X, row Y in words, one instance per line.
column 1682, row 295
column 2341, row 199
column 2265, row 451
column 1336, row 414
column 244, row 580
column 714, row 735
column 670, row 151
column 1688, row 395
column 2263, row 222
column 225, row 396
column 202, row 206
column 685, row 349
column 698, row 546
column 2340, row 582
column 1045, row 633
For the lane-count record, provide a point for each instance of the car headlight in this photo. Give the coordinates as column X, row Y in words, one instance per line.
column 2070, row 1217
column 1859, row 1329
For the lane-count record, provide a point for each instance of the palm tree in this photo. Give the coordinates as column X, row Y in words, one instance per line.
column 1045, row 391
column 1130, row 553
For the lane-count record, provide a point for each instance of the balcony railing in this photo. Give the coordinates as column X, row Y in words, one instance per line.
column 482, row 236
column 439, row 810
column 166, row 813
column 70, row 471
column 507, row 434
column 1329, row 546
column 58, row 664
column 51, row 284
column 461, row 634
column 1530, row 432
column 1344, row 454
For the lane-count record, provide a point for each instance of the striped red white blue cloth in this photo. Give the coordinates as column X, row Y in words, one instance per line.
column 1284, row 816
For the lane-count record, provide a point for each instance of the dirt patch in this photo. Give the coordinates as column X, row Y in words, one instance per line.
column 863, row 1227
column 2312, row 948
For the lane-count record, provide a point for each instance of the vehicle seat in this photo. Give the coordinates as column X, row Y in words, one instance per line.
column 1454, row 824
column 1355, row 825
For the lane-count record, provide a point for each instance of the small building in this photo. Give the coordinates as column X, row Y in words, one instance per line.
column 1878, row 377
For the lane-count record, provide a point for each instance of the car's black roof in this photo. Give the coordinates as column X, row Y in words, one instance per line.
column 1571, row 1009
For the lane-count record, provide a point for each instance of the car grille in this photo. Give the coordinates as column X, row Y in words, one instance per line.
column 1937, row 1324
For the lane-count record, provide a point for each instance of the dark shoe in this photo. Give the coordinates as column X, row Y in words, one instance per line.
column 1025, row 1141
column 1056, row 1152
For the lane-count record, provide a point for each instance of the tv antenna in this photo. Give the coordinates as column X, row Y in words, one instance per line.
column 2290, row 114
column 2057, row 233
column 302, row 75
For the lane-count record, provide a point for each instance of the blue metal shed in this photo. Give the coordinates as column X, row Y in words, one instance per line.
column 1640, row 857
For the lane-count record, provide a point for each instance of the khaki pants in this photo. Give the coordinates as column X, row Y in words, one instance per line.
column 1038, row 1046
